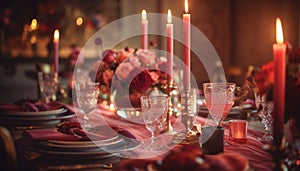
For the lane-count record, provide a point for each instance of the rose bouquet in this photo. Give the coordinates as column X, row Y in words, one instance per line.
column 131, row 73
column 262, row 80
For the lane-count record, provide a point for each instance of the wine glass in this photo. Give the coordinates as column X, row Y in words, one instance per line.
column 265, row 109
column 154, row 110
column 86, row 97
column 48, row 85
column 219, row 98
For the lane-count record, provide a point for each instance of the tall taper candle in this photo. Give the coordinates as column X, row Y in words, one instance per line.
column 144, row 24
column 169, row 31
column 279, row 50
column 56, row 50
column 187, row 44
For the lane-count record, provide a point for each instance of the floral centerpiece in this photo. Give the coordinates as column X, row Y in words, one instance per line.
column 130, row 73
column 262, row 80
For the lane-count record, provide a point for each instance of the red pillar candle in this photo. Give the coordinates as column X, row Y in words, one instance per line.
column 56, row 50
column 279, row 50
column 187, row 44
column 169, row 30
column 144, row 24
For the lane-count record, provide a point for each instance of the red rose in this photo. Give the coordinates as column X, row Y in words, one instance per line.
column 142, row 79
column 108, row 56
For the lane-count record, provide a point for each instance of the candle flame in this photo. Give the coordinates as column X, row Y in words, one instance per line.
column 279, row 32
column 56, row 35
column 186, row 6
column 33, row 24
column 144, row 15
column 79, row 21
column 33, row 40
column 169, row 18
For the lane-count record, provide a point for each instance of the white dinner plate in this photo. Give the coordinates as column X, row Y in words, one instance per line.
column 46, row 118
column 73, row 155
column 83, row 144
column 39, row 113
column 131, row 114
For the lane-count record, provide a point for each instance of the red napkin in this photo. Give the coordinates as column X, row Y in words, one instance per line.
column 78, row 135
column 10, row 107
column 38, row 135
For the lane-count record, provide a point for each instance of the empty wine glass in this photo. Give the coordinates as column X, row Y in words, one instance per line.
column 219, row 98
column 265, row 109
column 154, row 110
column 86, row 98
column 48, row 85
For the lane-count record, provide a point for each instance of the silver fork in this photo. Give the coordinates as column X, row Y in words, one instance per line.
column 81, row 166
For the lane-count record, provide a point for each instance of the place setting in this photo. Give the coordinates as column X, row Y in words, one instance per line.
column 70, row 142
column 39, row 114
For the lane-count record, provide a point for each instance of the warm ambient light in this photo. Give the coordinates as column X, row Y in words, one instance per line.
column 56, row 35
column 144, row 15
column 33, row 24
column 186, row 6
column 169, row 18
column 279, row 32
column 79, row 21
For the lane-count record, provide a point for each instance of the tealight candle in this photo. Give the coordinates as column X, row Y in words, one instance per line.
column 238, row 131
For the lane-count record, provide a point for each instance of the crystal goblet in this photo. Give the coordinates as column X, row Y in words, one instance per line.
column 265, row 109
column 154, row 110
column 219, row 98
column 86, row 98
column 48, row 85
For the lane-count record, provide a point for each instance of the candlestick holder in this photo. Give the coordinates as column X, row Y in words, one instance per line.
column 170, row 87
column 188, row 114
column 278, row 154
column 189, row 107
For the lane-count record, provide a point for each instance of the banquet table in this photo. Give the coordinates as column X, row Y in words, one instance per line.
column 252, row 150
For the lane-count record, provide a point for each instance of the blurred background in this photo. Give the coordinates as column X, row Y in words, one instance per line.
column 241, row 31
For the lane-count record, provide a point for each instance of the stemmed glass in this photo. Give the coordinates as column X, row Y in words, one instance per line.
column 265, row 113
column 47, row 85
column 219, row 98
column 86, row 98
column 154, row 110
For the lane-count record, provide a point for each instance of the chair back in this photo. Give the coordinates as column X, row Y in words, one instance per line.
column 8, row 157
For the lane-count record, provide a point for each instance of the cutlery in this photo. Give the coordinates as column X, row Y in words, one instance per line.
column 81, row 166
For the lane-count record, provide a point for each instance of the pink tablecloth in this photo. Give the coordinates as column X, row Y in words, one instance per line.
column 253, row 150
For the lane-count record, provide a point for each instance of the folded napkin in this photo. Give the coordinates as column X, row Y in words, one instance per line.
column 29, row 105
column 71, row 131
column 79, row 135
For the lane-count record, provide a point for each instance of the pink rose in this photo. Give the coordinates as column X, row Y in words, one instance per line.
column 123, row 71
column 124, row 54
column 146, row 57
column 134, row 61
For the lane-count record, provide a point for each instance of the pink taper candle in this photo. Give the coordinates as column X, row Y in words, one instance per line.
column 279, row 50
column 169, row 30
column 187, row 44
column 56, row 50
column 144, row 24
